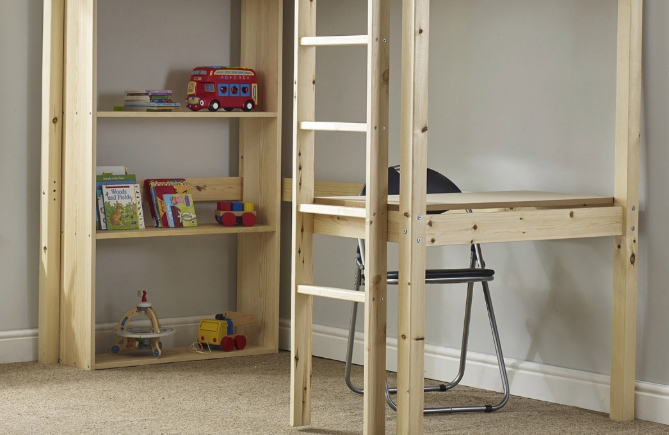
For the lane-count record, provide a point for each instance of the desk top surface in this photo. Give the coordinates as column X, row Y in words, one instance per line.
column 483, row 200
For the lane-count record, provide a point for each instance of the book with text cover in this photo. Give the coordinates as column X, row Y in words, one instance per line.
column 120, row 206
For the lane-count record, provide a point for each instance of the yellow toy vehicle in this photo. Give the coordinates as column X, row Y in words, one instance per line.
column 220, row 331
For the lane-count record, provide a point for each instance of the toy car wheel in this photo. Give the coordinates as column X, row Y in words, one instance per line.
column 156, row 353
column 248, row 219
column 229, row 219
column 228, row 109
column 240, row 342
column 115, row 349
column 214, row 106
column 248, row 106
column 227, row 344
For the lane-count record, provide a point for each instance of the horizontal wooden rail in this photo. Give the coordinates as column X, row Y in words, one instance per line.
column 356, row 127
column 331, row 210
column 339, row 226
column 323, row 188
column 320, row 41
column 516, row 226
column 332, row 293
column 212, row 189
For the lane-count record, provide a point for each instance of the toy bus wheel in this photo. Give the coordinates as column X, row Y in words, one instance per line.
column 240, row 342
column 214, row 106
column 248, row 106
column 228, row 109
column 115, row 349
column 227, row 344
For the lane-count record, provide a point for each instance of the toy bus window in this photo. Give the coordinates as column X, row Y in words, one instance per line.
column 234, row 89
column 209, row 87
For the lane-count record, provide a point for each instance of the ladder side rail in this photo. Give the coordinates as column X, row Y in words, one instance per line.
column 302, row 224
column 376, row 223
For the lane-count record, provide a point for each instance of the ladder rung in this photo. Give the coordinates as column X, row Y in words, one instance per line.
column 333, row 210
column 334, row 40
column 334, row 126
column 332, row 293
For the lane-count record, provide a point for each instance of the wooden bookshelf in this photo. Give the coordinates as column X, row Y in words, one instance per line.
column 69, row 121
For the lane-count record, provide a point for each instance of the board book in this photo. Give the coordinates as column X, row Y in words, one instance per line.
column 180, row 210
column 121, row 208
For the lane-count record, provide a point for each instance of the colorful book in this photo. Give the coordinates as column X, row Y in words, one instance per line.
column 180, row 210
column 150, row 92
column 151, row 104
column 150, row 194
column 120, row 206
column 148, row 98
column 138, row 201
column 101, row 222
column 161, row 189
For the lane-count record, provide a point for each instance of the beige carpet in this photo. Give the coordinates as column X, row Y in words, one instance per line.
column 246, row 396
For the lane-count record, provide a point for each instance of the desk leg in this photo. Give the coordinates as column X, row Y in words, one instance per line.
column 628, row 143
column 413, row 189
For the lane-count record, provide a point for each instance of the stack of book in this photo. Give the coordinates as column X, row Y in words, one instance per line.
column 170, row 202
column 150, row 101
column 119, row 199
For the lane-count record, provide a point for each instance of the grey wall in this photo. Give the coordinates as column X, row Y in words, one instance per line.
column 521, row 97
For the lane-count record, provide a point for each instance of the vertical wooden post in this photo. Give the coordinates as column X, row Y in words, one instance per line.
column 625, row 274
column 376, row 223
column 304, row 107
column 50, row 196
column 413, row 190
column 77, row 321
column 259, row 165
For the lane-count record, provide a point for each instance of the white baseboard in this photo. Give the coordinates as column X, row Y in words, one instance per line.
column 526, row 379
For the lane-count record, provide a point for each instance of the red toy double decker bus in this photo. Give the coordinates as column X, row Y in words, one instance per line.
column 213, row 87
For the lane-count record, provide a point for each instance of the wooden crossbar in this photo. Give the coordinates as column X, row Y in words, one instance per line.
column 333, row 210
column 355, row 127
column 320, row 41
column 332, row 293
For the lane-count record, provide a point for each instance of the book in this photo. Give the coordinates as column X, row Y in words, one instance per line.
column 138, row 201
column 111, row 170
column 120, row 206
column 160, row 189
column 148, row 98
column 180, row 210
column 150, row 92
column 151, row 104
column 150, row 194
column 101, row 220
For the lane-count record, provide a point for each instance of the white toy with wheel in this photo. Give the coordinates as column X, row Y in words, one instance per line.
column 137, row 338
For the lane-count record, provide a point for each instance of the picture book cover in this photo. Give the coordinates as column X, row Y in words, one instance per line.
column 120, row 206
column 150, row 194
column 180, row 210
column 101, row 219
column 161, row 189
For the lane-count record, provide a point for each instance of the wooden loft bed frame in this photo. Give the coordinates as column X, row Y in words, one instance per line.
column 332, row 208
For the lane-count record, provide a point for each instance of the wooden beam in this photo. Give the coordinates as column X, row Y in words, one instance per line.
column 322, row 41
column 333, row 210
column 50, row 198
column 304, row 108
column 323, row 188
column 376, row 222
column 77, row 338
column 339, row 226
column 354, row 127
column 413, row 189
column 626, row 249
column 332, row 293
column 515, row 226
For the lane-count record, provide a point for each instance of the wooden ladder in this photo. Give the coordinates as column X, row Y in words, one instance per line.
column 374, row 214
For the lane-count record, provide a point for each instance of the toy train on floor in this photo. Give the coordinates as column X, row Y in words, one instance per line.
column 220, row 331
column 231, row 213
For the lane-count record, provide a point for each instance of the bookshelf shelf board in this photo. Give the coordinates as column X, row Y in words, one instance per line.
column 185, row 114
column 201, row 229
column 172, row 355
